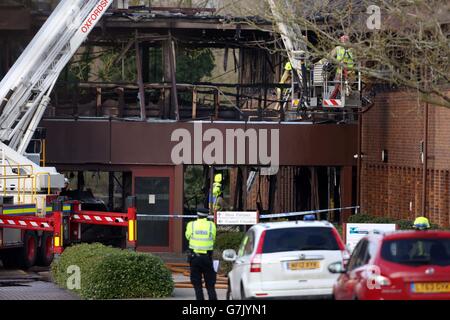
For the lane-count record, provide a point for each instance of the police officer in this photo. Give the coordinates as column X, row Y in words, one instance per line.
column 201, row 235
column 421, row 223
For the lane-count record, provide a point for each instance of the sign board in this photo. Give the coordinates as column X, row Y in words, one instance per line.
column 356, row 231
column 237, row 217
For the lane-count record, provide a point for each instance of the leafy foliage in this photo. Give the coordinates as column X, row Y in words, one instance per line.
column 229, row 240
column 402, row 224
column 109, row 273
column 192, row 65
column 193, row 186
column 125, row 274
column 224, row 241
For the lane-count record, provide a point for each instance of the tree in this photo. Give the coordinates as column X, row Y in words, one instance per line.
column 402, row 43
column 192, row 65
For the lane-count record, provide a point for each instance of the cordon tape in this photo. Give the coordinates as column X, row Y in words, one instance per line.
column 263, row 216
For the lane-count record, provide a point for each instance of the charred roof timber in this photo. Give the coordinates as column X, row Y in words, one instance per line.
column 199, row 26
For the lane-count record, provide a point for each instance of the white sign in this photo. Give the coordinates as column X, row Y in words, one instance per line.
column 357, row 231
column 216, row 264
column 237, row 218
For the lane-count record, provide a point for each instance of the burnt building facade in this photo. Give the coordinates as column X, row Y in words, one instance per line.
column 113, row 133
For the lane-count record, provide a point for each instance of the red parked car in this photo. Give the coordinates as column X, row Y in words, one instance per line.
column 402, row 265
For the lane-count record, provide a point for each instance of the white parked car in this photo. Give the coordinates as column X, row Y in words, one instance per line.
column 286, row 259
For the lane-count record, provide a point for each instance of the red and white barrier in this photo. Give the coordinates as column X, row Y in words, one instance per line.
column 28, row 223
column 333, row 103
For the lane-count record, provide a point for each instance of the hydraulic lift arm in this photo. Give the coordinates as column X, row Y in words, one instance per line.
column 293, row 39
column 25, row 90
column 311, row 88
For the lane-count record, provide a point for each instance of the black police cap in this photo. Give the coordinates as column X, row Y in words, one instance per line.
column 202, row 212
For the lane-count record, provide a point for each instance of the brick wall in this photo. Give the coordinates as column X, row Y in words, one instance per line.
column 394, row 188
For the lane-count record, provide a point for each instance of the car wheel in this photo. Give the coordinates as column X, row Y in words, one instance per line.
column 28, row 252
column 45, row 251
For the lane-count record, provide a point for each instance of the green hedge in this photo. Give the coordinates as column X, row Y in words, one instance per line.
column 229, row 240
column 339, row 229
column 402, row 224
column 109, row 273
column 224, row 241
column 85, row 256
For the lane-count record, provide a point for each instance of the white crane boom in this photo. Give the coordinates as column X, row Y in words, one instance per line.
column 25, row 90
column 290, row 32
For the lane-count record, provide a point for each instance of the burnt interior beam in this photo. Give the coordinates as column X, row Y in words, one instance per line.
column 173, row 76
column 140, row 78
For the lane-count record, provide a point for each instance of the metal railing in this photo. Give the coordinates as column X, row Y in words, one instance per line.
column 26, row 184
column 344, row 83
column 197, row 101
column 15, row 174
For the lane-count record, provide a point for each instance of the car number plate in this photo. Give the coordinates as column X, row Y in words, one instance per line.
column 303, row 265
column 431, row 287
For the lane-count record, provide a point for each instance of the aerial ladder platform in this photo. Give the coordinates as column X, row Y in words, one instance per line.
column 312, row 87
column 35, row 223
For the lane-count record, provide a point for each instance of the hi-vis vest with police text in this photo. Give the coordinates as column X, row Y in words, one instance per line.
column 201, row 235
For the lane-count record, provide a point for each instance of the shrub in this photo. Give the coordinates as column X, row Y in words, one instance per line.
column 127, row 275
column 227, row 240
column 339, row 229
column 109, row 273
column 85, row 256
column 402, row 224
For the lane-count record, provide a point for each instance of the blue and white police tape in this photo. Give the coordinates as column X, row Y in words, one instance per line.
column 302, row 213
column 263, row 216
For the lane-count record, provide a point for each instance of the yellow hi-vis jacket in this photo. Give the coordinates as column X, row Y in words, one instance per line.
column 201, row 235
column 345, row 57
column 216, row 192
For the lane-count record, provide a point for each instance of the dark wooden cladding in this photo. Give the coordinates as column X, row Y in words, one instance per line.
column 129, row 143
column 14, row 19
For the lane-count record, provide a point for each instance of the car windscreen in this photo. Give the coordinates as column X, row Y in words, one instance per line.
column 299, row 239
column 417, row 252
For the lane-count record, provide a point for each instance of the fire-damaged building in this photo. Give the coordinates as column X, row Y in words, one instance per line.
column 138, row 85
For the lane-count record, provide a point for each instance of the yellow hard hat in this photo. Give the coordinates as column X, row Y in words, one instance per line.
column 422, row 223
column 218, row 178
column 288, row 66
